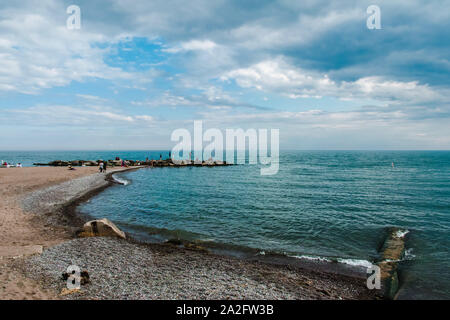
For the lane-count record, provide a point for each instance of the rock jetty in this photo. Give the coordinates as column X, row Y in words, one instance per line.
column 392, row 252
column 133, row 163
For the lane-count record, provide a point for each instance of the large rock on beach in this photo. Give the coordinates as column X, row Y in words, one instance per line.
column 101, row 228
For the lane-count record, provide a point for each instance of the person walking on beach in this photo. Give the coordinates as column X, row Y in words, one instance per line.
column 104, row 167
column 101, row 167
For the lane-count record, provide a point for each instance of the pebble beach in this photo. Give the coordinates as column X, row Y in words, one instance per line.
column 128, row 269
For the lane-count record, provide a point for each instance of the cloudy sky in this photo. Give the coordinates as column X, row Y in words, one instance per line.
column 137, row 70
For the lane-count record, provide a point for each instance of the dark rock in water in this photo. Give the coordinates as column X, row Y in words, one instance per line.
column 392, row 253
column 113, row 163
column 175, row 242
column 84, row 277
column 59, row 163
column 90, row 163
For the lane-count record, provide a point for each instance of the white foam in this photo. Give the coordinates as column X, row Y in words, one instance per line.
column 409, row 254
column 120, row 180
column 312, row 258
column 352, row 262
column 356, row 262
column 401, row 233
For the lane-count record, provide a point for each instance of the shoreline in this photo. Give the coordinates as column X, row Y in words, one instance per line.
column 217, row 248
column 329, row 284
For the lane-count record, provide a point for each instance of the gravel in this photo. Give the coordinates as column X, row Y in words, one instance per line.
column 53, row 198
column 120, row 269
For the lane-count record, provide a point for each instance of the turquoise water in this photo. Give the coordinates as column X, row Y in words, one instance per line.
column 331, row 204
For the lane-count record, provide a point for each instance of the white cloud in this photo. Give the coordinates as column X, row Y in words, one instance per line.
column 145, row 118
column 71, row 116
column 210, row 39
column 279, row 76
column 193, row 45
column 382, row 89
column 91, row 98
column 359, row 129
column 38, row 51
column 262, row 34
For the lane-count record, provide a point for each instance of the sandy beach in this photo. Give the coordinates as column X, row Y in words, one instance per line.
column 38, row 243
column 22, row 235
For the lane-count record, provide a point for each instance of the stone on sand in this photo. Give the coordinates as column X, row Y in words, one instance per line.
column 101, row 228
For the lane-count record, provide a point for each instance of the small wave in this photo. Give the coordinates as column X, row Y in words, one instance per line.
column 312, row 258
column 352, row 262
column 120, row 180
column 356, row 262
column 409, row 254
column 401, row 233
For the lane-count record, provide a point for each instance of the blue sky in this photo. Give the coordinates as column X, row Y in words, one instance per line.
column 137, row 70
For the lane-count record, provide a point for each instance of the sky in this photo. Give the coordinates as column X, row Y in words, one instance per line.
column 137, row 70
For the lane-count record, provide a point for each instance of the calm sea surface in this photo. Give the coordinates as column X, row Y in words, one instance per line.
column 330, row 204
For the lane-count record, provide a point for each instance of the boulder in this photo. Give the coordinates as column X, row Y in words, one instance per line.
column 117, row 162
column 101, row 228
column 90, row 163
column 392, row 253
column 58, row 163
column 175, row 242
